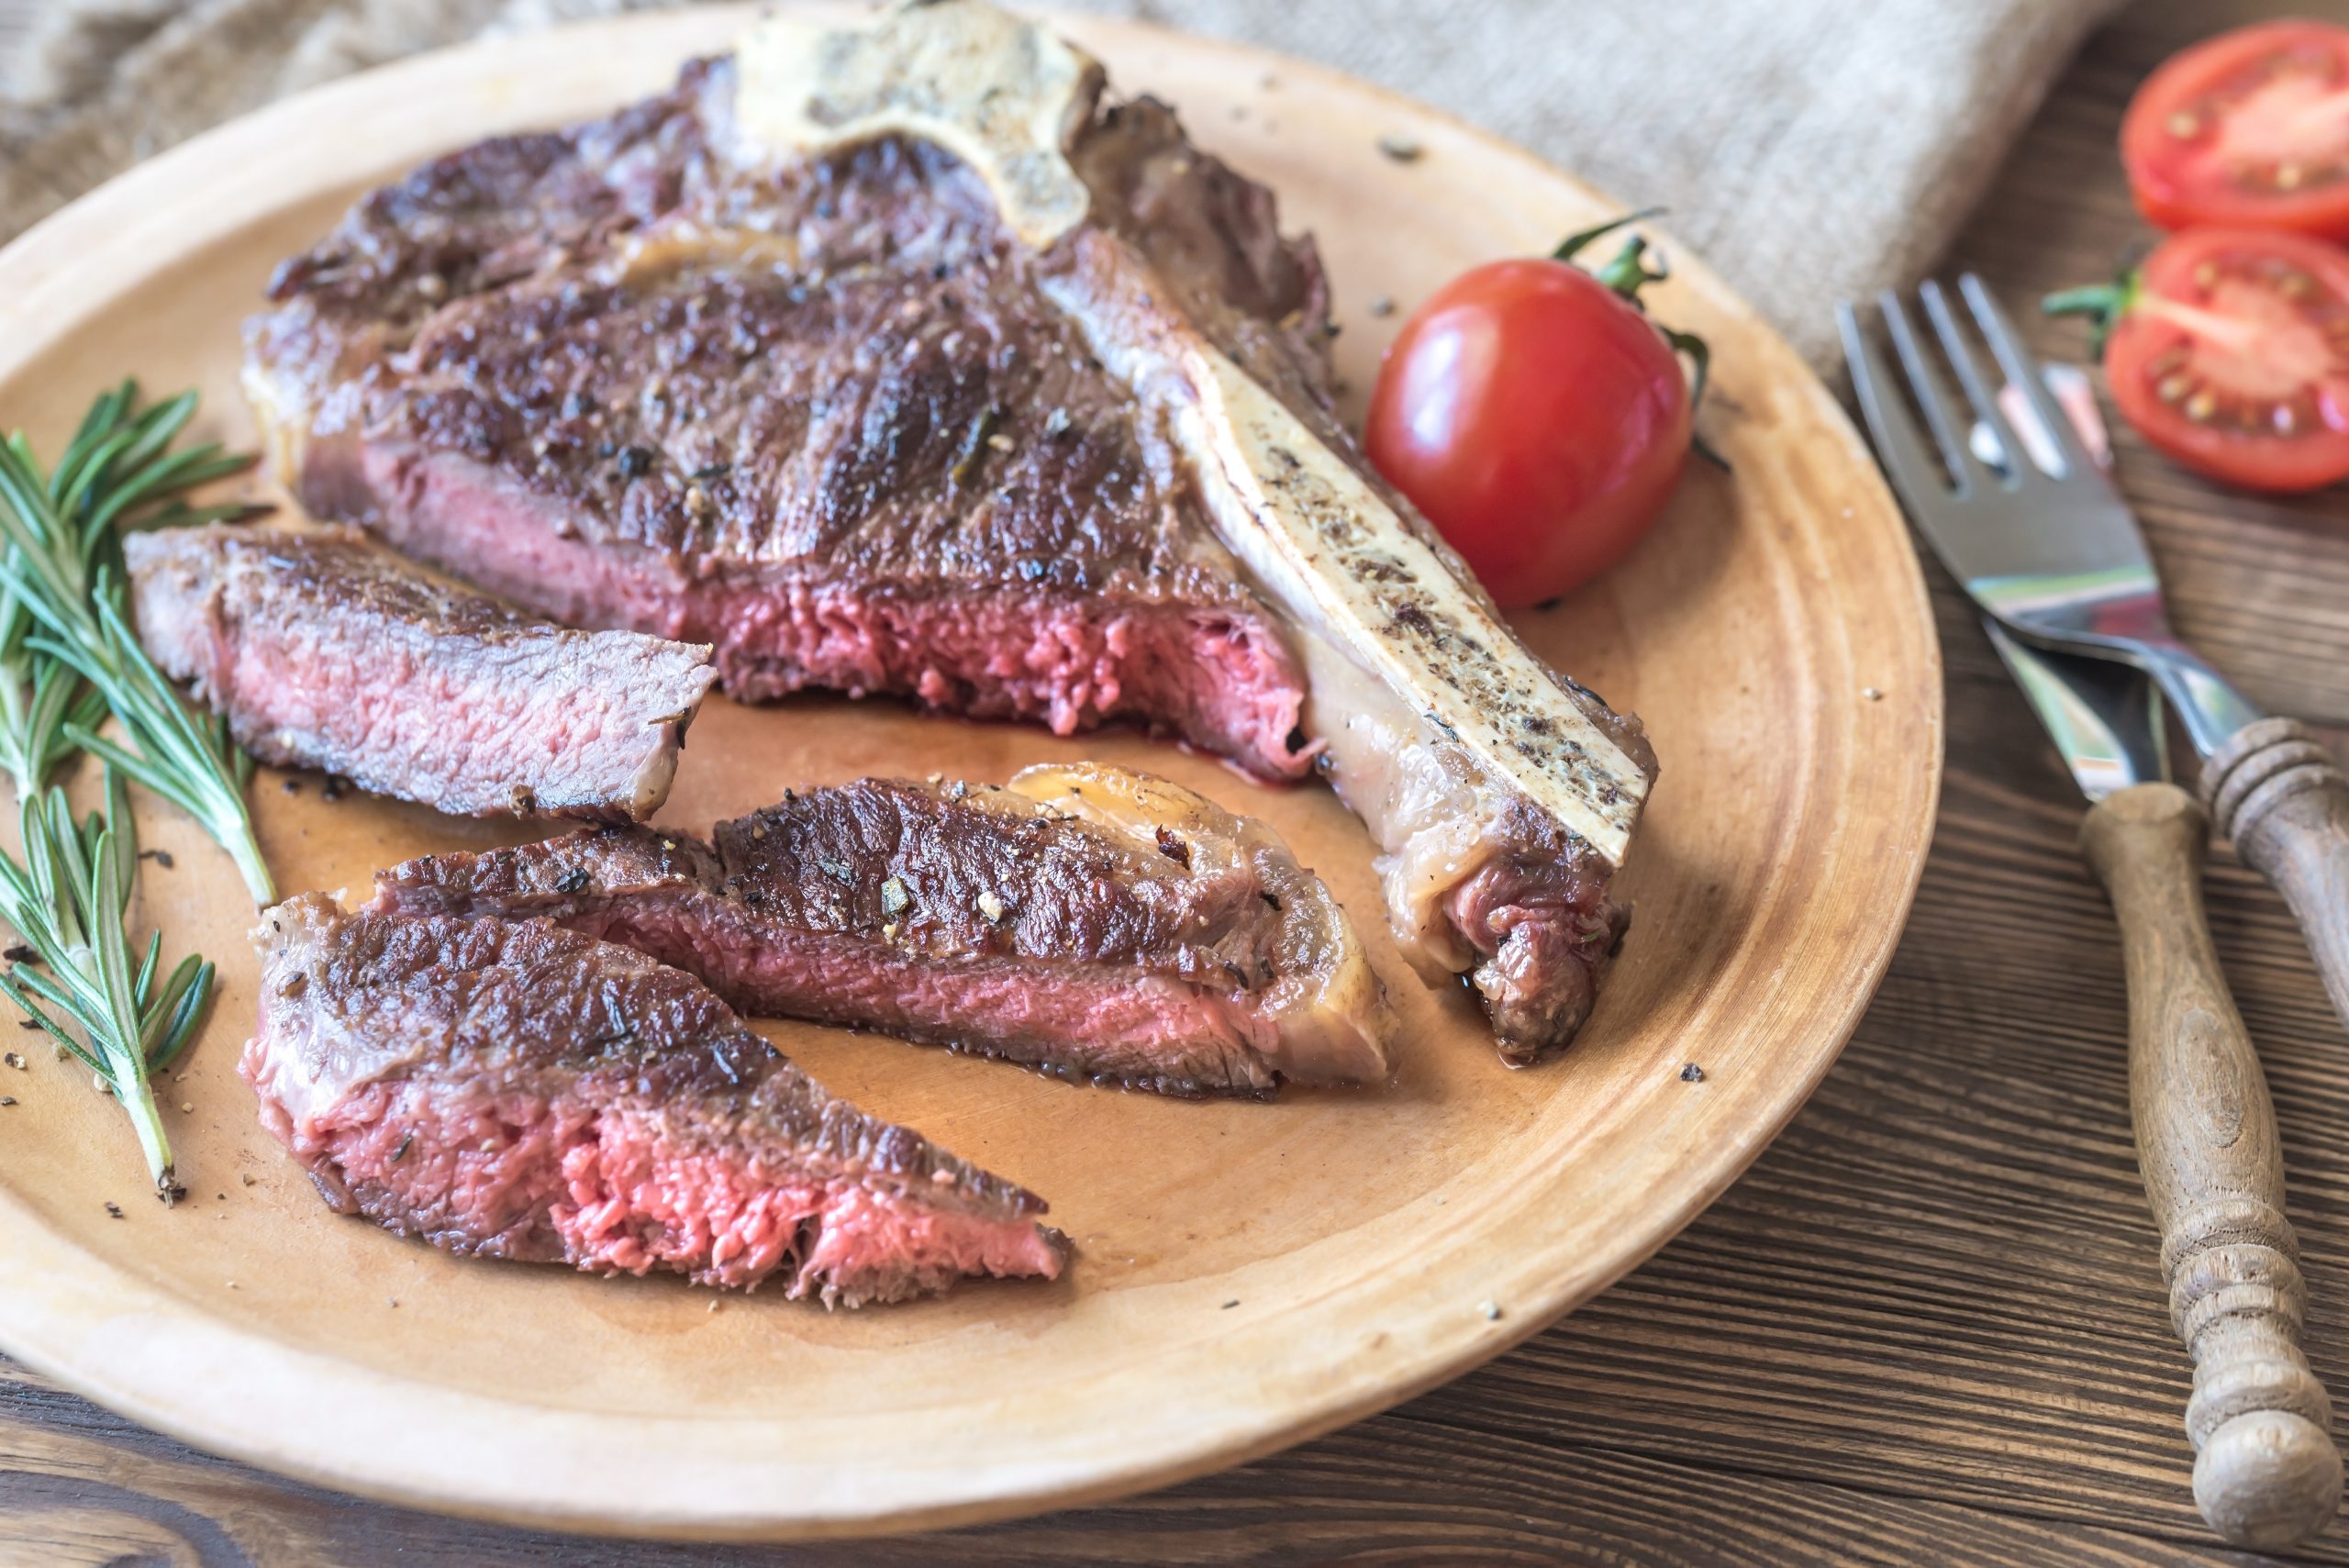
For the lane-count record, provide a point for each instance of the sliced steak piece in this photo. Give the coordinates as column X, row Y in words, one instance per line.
column 326, row 651
column 516, row 1090
column 1092, row 922
column 901, row 360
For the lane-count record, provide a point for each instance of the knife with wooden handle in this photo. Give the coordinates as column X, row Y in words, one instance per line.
column 2265, row 1471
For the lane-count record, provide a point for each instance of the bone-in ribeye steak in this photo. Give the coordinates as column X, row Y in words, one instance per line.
column 1087, row 921
column 326, row 651
column 517, row 1090
column 899, row 359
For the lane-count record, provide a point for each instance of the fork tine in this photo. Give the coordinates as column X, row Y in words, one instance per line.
column 2020, row 469
column 2023, row 372
column 1927, row 387
column 1897, row 443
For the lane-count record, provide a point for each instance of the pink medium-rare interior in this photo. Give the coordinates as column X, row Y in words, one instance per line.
column 1145, row 1030
column 633, row 1201
column 488, row 730
column 1224, row 682
column 508, row 1174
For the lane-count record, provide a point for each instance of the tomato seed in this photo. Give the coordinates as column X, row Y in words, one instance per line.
column 2206, row 276
column 2174, row 387
column 2202, row 406
column 2183, row 126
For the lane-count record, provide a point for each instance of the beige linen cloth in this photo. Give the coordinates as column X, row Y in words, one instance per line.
column 1808, row 149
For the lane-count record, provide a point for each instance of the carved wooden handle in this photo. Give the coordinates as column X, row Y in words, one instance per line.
column 2276, row 791
column 2265, row 1471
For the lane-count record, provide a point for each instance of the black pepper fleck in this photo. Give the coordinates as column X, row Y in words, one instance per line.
column 1174, row 849
column 1692, row 1074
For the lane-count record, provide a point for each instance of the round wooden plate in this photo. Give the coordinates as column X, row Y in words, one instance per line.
column 1247, row 1274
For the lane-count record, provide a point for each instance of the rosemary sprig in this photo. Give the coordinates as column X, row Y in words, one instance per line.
column 69, row 898
column 68, row 657
column 118, row 472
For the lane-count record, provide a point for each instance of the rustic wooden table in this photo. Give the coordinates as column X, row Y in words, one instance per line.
column 1926, row 1328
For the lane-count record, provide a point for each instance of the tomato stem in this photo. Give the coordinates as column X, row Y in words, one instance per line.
column 1574, row 244
column 1633, row 267
column 2103, row 304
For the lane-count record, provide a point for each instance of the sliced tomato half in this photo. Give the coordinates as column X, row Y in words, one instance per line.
column 2250, row 129
column 2229, row 349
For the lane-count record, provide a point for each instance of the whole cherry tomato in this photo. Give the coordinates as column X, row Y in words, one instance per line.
column 2249, row 129
column 2229, row 349
column 1537, row 417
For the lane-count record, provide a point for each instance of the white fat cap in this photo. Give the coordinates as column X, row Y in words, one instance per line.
column 1004, row 95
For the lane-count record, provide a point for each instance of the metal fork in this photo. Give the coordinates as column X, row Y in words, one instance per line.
column 2056, row 557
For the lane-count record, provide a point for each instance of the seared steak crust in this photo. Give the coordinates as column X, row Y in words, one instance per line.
column 974, row 918
column 849, row 444
column 517, row 1090
column 325, row 651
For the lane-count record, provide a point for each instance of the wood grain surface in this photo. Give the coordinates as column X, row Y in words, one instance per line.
column 1834, row 1364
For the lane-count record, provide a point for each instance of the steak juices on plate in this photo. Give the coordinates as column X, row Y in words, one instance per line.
column 895, row 360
